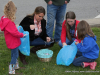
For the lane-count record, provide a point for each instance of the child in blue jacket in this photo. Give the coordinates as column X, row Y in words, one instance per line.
column 88, row 48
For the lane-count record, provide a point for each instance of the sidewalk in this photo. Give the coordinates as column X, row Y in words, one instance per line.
column 95, row 22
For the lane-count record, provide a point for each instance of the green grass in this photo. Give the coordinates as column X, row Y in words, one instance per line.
column 36, row 67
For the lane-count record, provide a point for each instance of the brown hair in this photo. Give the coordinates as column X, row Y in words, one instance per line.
column 10, row 10
column 83, row 29
column 38, row 10
column 69, row 15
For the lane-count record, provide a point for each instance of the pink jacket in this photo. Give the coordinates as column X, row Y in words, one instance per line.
column 12, row 35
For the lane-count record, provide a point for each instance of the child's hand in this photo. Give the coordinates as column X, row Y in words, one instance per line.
column 50, row 2
column 24, row 35
column 48, row 39
column 76, row 40
column 19, row 28
column 32, row 27
column 76, row 43
column 66, row 2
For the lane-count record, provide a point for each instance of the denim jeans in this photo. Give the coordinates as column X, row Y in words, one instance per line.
column 67, row 42
column 78, row 61
column 57, row 13
column 14, row 55
column 39, row 41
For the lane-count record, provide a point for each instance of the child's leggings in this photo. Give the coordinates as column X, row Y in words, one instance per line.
column 14, row 55
column 78, row 61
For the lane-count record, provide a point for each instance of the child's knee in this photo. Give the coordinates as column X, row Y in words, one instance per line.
column 74, row 62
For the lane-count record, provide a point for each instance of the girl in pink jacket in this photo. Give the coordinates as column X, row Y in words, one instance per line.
column 12, row 35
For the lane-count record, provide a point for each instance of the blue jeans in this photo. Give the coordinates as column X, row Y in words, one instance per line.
column 39, row 41
column 78, row 61
column 57, row 13
column 14, row 55
column 67, row 42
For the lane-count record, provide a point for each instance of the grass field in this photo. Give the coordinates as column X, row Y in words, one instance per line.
column 36, row 67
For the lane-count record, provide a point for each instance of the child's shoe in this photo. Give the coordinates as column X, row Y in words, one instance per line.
column 93, row 65
column 11, row 69
column 17, row 65
column 85, row 64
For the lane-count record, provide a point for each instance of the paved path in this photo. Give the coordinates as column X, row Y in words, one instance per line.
column 84, row 9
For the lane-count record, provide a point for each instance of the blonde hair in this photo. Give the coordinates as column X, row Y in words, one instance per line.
column 10, row 10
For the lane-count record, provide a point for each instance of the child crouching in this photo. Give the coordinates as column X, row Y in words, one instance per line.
column 88, row 48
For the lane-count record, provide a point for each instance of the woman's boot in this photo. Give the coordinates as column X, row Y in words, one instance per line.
column 22, row 58
column 36, row 48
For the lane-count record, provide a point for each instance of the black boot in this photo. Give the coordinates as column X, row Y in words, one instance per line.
column 22, row 58
column 34, row 49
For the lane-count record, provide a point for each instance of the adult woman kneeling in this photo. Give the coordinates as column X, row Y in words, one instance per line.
column 35, row 24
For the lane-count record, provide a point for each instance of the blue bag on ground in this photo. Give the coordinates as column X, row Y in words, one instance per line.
column 66, row 55
column 25, row 43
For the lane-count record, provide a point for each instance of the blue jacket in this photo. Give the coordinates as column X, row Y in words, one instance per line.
column 89, row 47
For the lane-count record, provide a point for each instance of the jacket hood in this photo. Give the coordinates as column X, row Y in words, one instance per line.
column 95, row 38
column 3, row 23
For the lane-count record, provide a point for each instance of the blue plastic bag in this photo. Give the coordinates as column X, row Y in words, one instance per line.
column 25, row 43
column 66, row 55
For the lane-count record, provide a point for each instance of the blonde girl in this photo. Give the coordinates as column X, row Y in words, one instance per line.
column 12, row 36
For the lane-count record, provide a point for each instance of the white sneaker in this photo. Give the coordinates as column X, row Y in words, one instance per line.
column 11, row 69
column 17, row 65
